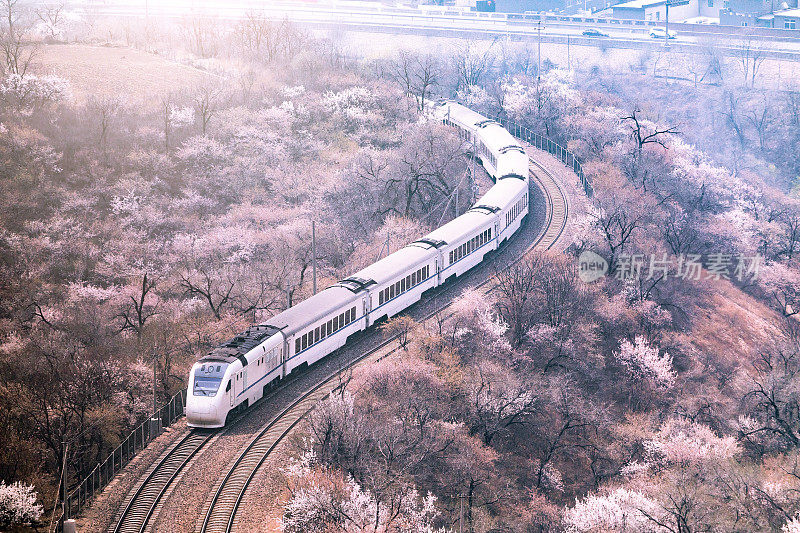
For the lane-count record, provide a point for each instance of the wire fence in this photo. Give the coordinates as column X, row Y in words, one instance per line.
column 104, row 472
column 543, row 143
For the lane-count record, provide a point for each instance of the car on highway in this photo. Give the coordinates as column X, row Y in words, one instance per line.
column 594, row 32
column 661, row 33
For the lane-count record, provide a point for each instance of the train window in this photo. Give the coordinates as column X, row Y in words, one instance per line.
column 397, row 288
column 352, row 314
column 305, row 342
column 380, row 298
column 408, row 281
column 297, row 345
column 403, row 285
column 316, row 334
column 228, row 386
column 391, row 292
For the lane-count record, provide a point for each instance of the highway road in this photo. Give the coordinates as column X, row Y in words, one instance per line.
column 778, row 44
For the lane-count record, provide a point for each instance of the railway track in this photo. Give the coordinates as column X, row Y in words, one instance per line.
column 138, row 509
column 220, row 511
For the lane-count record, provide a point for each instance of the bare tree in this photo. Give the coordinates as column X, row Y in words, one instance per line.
column 52, row 16
column 497, row 401
column 732, row 116
column 106, row 109
column 471, row 65
column 516, row 287
column 400, row 327
column 643, row 135
column 774, row 395
column 139, row 311
column 761, row 118
column 266, row 40
column 206, row 100
column 17, row 53
column 202, row 35
column 791, row 234
column 417, row 75
column 750, row 54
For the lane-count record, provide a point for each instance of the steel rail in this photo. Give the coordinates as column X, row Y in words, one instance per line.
column 223, row 506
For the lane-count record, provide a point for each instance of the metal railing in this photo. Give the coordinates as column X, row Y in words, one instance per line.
column 104, row 472
column 548, row 145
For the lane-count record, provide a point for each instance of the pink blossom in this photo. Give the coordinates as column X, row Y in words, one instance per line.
column 643, row 360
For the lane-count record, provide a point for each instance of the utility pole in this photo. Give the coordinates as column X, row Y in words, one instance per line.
column 539, row 29
column 314, row 252
column 460, row 513
column 569, row 63
column 668, row 4
column 155, row 367
column 64, row 483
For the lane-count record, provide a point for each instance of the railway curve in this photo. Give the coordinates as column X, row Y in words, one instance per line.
column 141, row 511
column 221, row 509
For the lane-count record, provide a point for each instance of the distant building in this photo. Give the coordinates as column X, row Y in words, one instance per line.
column 520, row 6
column 787, row 19
column 656, row 10
column 753, row 12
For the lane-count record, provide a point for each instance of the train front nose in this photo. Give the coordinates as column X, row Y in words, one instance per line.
column 202, row 412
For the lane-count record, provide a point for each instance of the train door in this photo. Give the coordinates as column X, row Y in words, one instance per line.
column 284, row 355
column 367, row 308
column 438, row 276
column 229, row 390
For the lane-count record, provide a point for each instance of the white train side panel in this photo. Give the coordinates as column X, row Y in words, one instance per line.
column 238, row 373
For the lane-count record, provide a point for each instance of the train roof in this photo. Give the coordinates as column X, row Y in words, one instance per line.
column 312, row 309
column 460, row 227
column 503, row 193
column 494, row 135
column 513, row 162
column 390, row 267
column 237, row 347
column 497, row 139
column 462, row 115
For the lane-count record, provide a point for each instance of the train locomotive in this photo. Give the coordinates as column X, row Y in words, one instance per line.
column 236, row 374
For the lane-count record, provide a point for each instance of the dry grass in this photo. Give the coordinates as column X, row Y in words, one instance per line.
column 138, row 77
column 733, row 325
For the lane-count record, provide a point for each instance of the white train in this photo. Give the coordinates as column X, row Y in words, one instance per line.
column 236, row 374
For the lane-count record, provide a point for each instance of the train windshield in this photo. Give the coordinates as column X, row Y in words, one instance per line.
column 208, row 378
